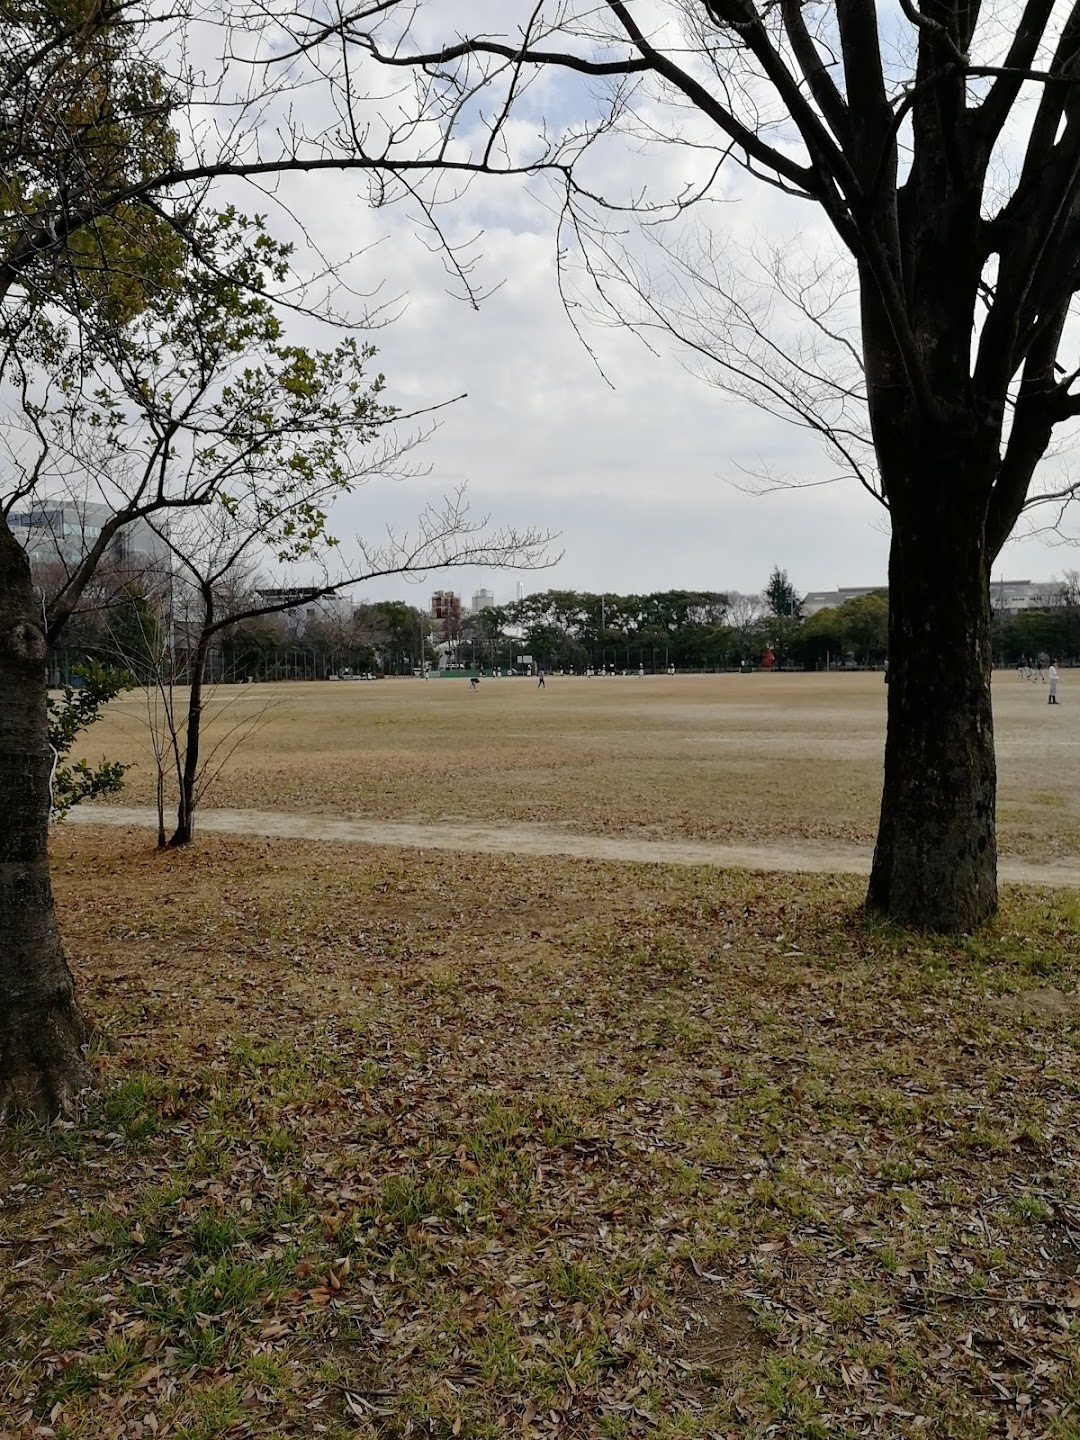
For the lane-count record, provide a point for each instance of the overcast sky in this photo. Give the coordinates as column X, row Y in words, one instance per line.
column 642, row 468
column 642, row 473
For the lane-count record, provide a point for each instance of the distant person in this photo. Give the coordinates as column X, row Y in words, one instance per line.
column 1021, row 667
column 540, row 678
column 474, row 682
column 1052, row 698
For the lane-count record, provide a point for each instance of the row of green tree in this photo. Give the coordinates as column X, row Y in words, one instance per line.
column 561, row 629
column 1052, row 632
column 688, row 629
column 694, row 630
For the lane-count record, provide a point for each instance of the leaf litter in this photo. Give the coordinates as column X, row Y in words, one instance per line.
column 394, row 1144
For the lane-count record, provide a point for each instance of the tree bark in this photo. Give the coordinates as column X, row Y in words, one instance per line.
column 42, row 1032
column 935, row 863
column 185, row 810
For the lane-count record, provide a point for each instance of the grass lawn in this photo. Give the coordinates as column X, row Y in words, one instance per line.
column 395, row 1143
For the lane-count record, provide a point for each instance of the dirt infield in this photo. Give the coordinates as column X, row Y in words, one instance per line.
column 781, row 763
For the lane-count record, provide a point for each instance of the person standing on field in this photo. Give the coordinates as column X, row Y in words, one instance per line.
column 540, row 680
column 1053, row 677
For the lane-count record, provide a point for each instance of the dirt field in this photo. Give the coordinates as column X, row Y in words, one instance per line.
column 753, row 760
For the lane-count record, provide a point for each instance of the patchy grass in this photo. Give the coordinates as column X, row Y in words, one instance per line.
column 396, row 1144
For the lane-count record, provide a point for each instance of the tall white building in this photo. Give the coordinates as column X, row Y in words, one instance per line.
column 482, row 600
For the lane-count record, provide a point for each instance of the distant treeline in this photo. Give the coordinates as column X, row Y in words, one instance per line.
column 691, row 629
column 560, row 629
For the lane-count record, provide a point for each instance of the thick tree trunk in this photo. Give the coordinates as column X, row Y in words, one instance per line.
column 935, row 864
column 42, row 1066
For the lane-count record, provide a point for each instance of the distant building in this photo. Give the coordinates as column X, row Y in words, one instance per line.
column 1007, row 597
column 64, row 531
column 292, row 599
column 482, row 600
column 446, row 606
column 829, row 599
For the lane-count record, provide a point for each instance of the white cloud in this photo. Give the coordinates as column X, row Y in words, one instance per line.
column 636, row 477
column 636, row 473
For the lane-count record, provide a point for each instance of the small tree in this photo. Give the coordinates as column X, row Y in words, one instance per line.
column 75, row 711
column 212, row 549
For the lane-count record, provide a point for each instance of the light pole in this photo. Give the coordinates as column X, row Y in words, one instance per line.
column 423, row 658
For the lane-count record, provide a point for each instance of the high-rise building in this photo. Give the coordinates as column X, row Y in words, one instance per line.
column 482, row 600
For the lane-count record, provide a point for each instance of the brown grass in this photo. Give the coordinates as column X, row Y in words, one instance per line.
column 395, row 1144
column 398, row 1144
column 753, row 759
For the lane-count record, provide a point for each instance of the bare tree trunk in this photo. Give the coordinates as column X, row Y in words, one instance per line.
column 935, row 864
column 161, row 841
column 42, row 1066
column 185, row 810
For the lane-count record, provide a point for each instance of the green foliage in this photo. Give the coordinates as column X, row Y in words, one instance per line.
column 683, row 627
column 202, row 389
column 136, row 633
column 1052, row 632
column 86, row 116
column 781, row 596
column 858, row 629
column 689, row 628
column 396, row 629
column 69, row 716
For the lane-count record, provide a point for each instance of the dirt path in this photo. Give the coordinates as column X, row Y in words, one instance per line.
column 548, row 840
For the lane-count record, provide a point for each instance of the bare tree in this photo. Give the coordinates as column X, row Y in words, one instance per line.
column 941, row 150
column 745, row 614
column 1069, row 587
column 214, row 551
column 111, row 256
